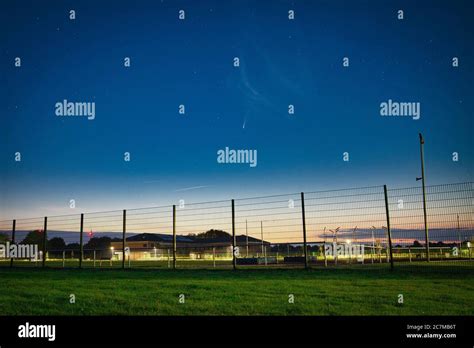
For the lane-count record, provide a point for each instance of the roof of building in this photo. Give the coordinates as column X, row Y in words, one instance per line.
column 158, row 237
column 168, row 238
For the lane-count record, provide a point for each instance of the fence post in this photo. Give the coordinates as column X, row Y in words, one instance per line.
column 388, row 226
column 324, row 254
column 234, row 260
column 81, row 246
column 304, row 231
column 13, row 240
column 214, row 256
column 174, row 236
column 123, row 238
column 45, row 239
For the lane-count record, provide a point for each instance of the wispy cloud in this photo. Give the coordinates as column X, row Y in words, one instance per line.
column 191, row 188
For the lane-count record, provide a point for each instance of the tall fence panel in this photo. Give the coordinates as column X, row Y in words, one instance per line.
column 102, row 238
column 7, row 236
column 204, row 234
column 332, row 228
column 150, row 237
column 347, row 226
column 450, row 223
column 29, row 231
column 63, row 249
column 269, row 231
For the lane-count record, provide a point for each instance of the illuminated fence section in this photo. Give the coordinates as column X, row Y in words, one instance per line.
column 204, row 234
column 269, row 230
column 350, row 224
column 450, row 225
column 63, row 237
column 149, row 238
column 102, row 239
column 347, row 227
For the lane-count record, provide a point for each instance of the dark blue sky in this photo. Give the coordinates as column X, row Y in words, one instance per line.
column 190, row 62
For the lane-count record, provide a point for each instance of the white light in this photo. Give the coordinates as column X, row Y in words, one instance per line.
column 348, row 241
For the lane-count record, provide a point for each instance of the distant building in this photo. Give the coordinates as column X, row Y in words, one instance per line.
column 158, row 246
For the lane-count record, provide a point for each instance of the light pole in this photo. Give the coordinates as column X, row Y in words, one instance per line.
column 427, row 241
column 353, row 233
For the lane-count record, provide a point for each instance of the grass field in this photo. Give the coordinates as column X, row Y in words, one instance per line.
column 369, row 290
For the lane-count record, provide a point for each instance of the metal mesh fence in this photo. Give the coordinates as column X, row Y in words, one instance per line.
column 331, row 228
column 6, row 237
column 62, row 240
column 149, row 240
column 269, row 230
column 350, row 224
column 102, row 239
column 449, row 221
column 205, row 234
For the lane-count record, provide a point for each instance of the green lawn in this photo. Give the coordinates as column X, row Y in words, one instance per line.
column 368, row 290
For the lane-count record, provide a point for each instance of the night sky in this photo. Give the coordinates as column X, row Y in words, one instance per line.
column 191, row 62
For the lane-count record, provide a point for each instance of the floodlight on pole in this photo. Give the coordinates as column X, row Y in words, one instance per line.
column 427, row 241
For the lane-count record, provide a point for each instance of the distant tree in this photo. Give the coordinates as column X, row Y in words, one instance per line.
column 213, row 234
column 56, row 243
column 416, row 243
column 98, row 243
column 34, row 237
column 72, row 246
column 4, row 237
